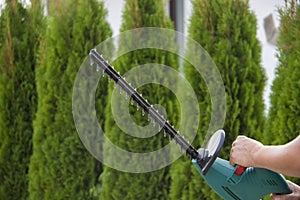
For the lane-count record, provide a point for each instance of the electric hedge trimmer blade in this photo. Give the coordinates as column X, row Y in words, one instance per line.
column 203, row 157
column 102, row 65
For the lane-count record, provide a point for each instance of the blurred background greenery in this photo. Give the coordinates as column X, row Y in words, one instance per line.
column 41, row 155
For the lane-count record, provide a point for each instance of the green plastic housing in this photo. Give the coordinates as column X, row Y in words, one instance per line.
column 253, row 184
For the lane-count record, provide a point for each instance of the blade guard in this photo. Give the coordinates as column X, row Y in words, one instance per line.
column 208, row 155
column 251, row 184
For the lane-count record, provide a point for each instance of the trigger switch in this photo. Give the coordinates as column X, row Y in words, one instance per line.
column 240, row 170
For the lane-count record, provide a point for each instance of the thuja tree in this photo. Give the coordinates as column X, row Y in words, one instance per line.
column 154, row 184
column 283, row 117
column 227, row 31
column 19, row 40
column 61, row 168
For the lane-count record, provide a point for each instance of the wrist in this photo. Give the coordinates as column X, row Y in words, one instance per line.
column 257, row 155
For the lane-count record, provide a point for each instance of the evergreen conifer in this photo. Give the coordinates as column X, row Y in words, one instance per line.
column 150, row 185
column 61, row 168
column 19, row 39
column 227, row 31
column 283, row 118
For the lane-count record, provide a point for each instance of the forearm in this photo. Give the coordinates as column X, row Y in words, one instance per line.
column 283, row 159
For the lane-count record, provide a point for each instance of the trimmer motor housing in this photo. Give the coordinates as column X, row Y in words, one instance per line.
column 236, row 182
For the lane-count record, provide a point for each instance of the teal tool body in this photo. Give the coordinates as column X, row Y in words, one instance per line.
column 252, row 184
column 231, row 183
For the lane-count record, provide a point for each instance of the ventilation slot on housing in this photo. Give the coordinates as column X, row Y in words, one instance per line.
column 271, row 182
column 228, row 191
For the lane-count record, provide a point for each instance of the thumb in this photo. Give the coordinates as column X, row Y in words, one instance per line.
column 281, row 197
column 275, row 197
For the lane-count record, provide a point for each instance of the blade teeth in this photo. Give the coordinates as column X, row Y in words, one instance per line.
column 132, row 101
column 143, row 112
column 90, row 53
column 175, row 137
column 97, row 68
column 186, row 152
column 91, row 62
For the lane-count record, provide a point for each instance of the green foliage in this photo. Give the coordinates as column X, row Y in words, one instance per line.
column 283, row 119
column 19, row 40
column 227, row 31
column 61, row 168
column 151, row 185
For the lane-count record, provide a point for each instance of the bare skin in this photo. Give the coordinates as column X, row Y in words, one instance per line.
column 281, row 158
column 295, row 195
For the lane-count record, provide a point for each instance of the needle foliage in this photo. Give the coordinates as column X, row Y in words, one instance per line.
column 19, row 40
column 227, row 31
column 61, row 167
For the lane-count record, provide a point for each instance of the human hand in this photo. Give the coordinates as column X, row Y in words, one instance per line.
column 243, row 151
column 295, row 195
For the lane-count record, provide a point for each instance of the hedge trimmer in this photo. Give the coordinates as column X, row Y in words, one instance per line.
column 230, row 182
